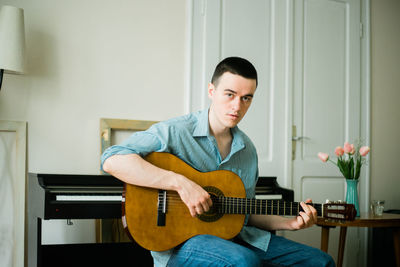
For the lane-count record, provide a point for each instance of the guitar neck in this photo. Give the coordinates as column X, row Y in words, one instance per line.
column 231, row 205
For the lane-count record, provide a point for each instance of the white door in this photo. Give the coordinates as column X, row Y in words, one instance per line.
column 326, row 105
column 307, row 53
column 327, row 91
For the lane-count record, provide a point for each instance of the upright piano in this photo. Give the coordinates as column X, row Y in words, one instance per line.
column 65, row 196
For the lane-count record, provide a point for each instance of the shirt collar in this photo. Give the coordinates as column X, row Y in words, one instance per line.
column 202, row 129
column 237, row 142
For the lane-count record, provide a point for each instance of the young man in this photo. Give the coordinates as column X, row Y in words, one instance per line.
column 210, row 140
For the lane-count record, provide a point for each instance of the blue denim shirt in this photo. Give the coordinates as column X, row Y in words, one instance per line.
column 188, row 137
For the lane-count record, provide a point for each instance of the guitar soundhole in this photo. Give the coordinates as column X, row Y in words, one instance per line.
column 212, row 215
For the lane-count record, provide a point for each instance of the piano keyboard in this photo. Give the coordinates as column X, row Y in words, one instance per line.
column 117, row 198
column 271, row 196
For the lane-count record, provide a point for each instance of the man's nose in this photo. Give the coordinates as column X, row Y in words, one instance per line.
column 236, row 103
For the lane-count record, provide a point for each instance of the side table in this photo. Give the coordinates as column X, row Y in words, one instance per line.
column 365, row 220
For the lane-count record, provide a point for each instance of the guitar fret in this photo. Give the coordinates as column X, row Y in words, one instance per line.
column 278, row 209
column 225, row 205
column 258, row 206
column 291, row 208
column 236, row 211
column 272, row 207
column 235, row 206
column 265, row 207
column 284, row 208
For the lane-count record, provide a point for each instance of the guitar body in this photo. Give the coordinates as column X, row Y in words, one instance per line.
column 141, row 207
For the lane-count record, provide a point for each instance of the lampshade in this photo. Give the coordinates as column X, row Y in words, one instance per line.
column 12, row 39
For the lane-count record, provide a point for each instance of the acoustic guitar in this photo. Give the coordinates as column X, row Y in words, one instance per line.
column 158, row 220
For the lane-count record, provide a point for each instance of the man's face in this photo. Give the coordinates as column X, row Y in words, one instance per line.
column 231, row 98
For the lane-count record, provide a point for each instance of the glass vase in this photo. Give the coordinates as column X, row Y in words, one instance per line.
column 352, row 194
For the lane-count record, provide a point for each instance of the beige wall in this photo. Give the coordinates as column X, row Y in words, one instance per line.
column 385, row 96
column 91, row 59
column 88, row 60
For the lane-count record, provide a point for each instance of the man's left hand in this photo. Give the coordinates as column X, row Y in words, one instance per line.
column 306, row 218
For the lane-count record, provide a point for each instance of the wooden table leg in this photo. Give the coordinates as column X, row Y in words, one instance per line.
column 324, row 238
column 342, row 242
column 396, row 241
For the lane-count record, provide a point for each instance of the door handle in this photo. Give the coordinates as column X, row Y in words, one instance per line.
column 294, row 140
column 298, row 138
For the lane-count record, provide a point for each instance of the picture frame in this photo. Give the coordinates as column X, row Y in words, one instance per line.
column 13, row 177
column 111, row 230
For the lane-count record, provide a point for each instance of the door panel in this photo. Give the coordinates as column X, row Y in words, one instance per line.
column 326, row 102
column 237, row 33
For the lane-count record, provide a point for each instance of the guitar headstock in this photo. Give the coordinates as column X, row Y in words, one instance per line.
column 339, row 210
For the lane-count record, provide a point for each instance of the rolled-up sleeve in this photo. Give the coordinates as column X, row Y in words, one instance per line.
column 141, row 143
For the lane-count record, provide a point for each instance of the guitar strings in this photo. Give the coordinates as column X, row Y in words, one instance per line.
column 240, row 205
column 243, row 201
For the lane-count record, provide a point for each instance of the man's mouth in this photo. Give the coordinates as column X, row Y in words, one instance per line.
column 234, row 116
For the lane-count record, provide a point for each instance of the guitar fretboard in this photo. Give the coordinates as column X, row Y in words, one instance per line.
column 231, row 205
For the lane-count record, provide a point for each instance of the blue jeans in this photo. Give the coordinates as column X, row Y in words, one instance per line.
column 207, row 250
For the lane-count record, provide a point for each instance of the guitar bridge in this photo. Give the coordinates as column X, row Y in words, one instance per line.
column 161, row 207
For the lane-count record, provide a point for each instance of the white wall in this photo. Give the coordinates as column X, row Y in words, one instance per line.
column 88, row 60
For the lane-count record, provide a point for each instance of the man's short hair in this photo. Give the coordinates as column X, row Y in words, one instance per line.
column 235, row 65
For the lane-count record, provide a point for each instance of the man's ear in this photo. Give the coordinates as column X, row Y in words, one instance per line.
column 211, row 90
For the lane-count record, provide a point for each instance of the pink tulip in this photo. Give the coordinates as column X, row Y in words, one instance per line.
column 323, row 156
column 364, row 150
column 347, row 148
column 339, row 151
column 353, row 150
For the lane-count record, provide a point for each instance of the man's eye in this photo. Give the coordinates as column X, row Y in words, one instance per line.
column 229, row 95
column 246, row 98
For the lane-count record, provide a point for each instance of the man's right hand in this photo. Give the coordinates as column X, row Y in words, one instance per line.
column 194, row 196
column 133, row 169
